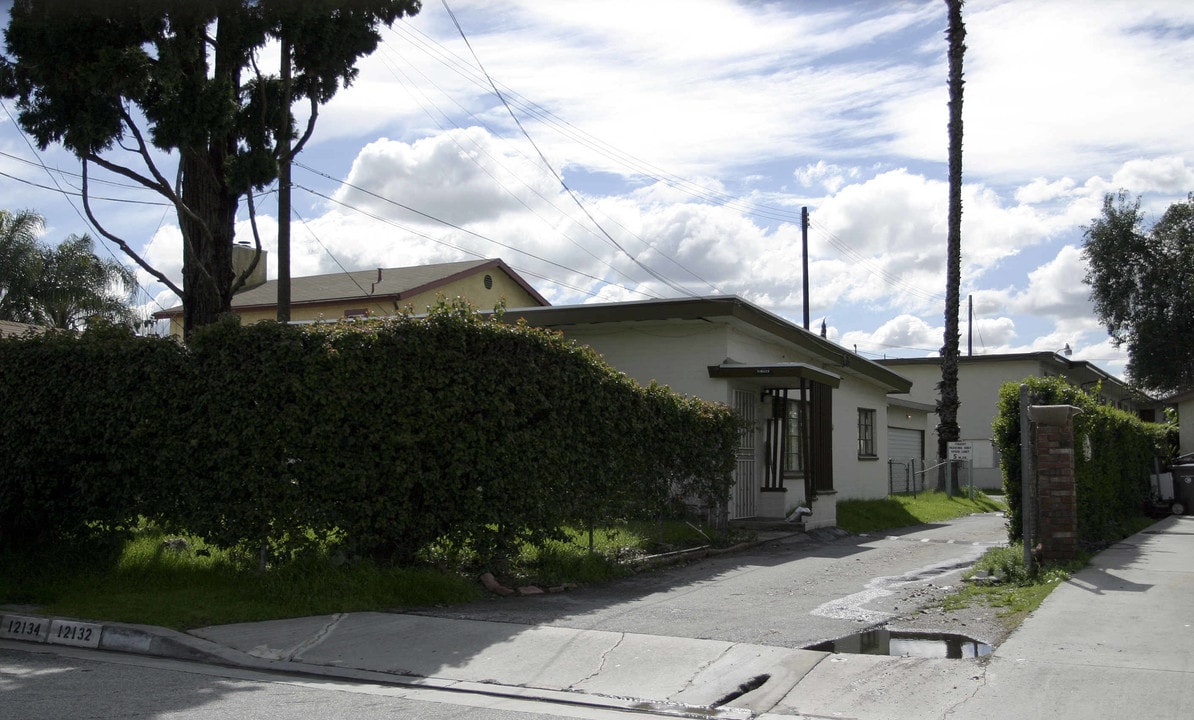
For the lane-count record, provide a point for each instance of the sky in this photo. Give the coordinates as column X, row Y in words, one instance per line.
column 665, row 148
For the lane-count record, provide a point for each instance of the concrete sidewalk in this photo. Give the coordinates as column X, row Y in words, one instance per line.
column 1115, row 641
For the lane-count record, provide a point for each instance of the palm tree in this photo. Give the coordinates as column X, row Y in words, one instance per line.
column 63, row 286
column 20, row 263
column 77, row 286
column 947, row 403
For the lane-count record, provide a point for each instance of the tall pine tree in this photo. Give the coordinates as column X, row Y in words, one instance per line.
column 120, row 82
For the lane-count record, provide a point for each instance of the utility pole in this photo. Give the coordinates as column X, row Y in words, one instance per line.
column 970, row 327
column 284, row 188
column 804, row 258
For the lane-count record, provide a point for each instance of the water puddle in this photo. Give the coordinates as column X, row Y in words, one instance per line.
column 882, row 641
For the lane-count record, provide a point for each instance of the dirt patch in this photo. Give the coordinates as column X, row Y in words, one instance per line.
column 921, row 610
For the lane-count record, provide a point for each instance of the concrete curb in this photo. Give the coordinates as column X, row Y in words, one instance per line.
column 36, row 629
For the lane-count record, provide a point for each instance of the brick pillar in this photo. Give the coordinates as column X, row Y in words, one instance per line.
column 1057, row 500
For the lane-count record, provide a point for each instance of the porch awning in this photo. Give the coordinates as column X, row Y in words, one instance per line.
column 775, row 371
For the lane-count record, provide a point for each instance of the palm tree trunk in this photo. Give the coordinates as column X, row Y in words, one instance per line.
column 947, row 403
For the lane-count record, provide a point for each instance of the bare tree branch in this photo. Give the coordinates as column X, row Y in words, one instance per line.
column 240, row 280
column 298, row 146
column 127, row 172
column 143, row 151
column 165, row 191
column 124, row 246
column 162, row 186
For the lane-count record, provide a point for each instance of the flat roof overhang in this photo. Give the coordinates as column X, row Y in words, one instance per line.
column 775, row 371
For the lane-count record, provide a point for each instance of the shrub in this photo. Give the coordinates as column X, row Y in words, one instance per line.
column 380, row 437
column 1114, row 455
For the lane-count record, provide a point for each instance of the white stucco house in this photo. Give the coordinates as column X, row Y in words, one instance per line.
column 979, row 379
column 820, row 412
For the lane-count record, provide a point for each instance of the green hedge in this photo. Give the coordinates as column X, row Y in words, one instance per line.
column 79, row 430
column 381, row 436
column 1112, row 481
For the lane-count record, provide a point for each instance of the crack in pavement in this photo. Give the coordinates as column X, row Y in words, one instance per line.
column 314, row 641
column 954, row 708
column 600, row 666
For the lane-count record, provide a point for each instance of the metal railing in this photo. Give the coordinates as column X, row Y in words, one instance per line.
column 903, row 476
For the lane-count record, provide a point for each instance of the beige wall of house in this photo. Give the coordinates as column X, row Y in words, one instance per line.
column 978, row 391
column 853, row 476
column 471, row 288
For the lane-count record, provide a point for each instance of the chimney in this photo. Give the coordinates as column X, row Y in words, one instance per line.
column 242, row 256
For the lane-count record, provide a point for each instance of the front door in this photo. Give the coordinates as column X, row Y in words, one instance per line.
column 745, row 479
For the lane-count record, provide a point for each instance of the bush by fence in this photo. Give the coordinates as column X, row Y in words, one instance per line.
column 380, row 436
column 1114, row 456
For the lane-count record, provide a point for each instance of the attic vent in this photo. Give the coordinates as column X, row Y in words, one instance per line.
column 488, row 282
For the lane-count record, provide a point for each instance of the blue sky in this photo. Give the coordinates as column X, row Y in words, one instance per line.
column 693, row 132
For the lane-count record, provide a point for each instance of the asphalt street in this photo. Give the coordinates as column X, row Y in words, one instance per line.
column 1113, row 641
column 790, row 592
column 56, row 683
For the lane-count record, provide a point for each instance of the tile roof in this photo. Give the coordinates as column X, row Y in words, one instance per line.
column 10, row 329
column 379, row 283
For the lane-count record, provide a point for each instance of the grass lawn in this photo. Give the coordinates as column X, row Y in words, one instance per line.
column 859, row 516
column 145, row 579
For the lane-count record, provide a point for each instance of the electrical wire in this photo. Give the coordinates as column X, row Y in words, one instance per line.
column 412, row 88
column 510, row 98
column 641, row 167
column 678, row 288
column 466, row 71
column 872, row 267
column 80, row 193
column 50, row 174
column 462, row 249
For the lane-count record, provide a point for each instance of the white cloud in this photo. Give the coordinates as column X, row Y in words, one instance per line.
column 1168, row 175
column 901, row 333
column 1042, row 190
column 459, row 177
column 164, row 253
column 1055, row 289
column 829, row 177
column 891, row 230
column 1055, row 85
column 989, row 332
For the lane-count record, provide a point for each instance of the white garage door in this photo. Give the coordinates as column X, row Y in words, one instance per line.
column 903, row 444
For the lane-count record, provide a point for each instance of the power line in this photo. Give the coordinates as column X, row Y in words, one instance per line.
column 509, row 98
column 80, row 193
column 497, row 161
column 639, row 166
column 873, row 268
column 548, row 165
column 458, row 248
column 66, row 195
